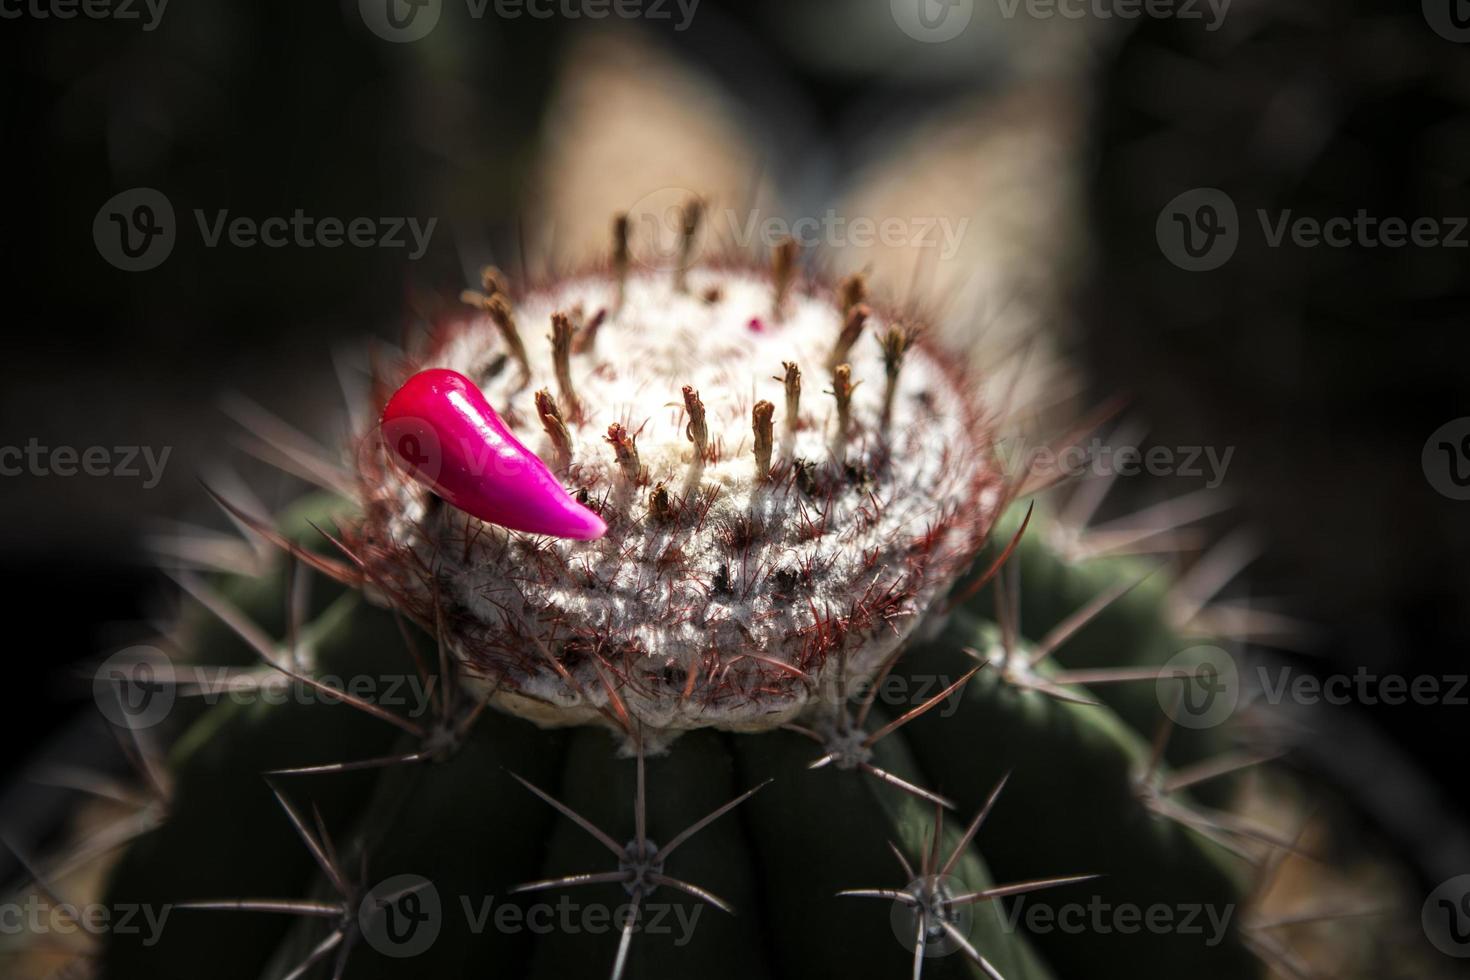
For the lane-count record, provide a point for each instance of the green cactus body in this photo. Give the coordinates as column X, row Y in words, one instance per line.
column 480, row 802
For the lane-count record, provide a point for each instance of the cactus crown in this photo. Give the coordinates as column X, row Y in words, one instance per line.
column 758, row 559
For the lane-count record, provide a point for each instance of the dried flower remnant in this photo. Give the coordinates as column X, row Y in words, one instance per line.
column 783, row 271
column 625, row 450
column 620, row 258
column 842, row 389
column 561, row 357
column 697, row 430
column 586, row 338
column 896, row 342
column 492, row 282
column 850, row 292
column 852, row 329
column 503, row 316
column 764, row 429
column 660, row 507
column 691, row 215
column 556, row 429
column 791, row 382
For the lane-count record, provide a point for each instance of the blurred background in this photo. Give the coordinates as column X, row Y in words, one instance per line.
column 1065, row 153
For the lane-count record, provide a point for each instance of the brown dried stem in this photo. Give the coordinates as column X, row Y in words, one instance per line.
column 783, row 270
column 896, row 342
column 561, row 357
column 693, row 212
column 501, row 314
column 620, row 257
column 852, row 329
column 556, row 429
column 762, row 416
column 842, row 389
column 626, row 452
column 696, row 430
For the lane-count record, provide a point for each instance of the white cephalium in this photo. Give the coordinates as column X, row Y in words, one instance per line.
column 728, row 591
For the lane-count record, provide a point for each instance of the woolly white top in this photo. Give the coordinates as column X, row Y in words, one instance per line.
column 760, row 589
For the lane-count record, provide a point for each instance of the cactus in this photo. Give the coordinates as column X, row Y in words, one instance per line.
column 658, row 545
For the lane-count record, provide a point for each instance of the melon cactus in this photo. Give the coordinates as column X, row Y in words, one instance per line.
column 664, row 619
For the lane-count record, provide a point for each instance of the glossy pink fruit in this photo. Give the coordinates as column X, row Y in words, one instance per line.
column 440, row 428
